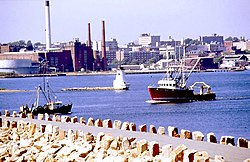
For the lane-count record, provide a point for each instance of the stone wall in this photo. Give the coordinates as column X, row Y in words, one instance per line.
column 26, row 141
column 117, row 124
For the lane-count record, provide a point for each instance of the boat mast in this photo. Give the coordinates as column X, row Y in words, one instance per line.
column 43, row 83
column 37, row 97
column 119, row 62
column 48, row 91
column 183, row 80
column 198, row 60
column 43, row 93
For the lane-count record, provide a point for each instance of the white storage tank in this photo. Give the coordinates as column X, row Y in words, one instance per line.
column 19, row 66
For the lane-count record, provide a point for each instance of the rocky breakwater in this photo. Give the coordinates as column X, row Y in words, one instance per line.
column 24, row 140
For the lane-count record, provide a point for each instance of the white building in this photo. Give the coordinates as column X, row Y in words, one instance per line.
column 242, row 45
column 111, row 45
column 147, row 40
column 19, row 66
column 230, row 61
column 97, row 45
column 168, row 52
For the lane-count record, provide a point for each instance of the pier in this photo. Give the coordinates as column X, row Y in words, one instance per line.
column 13, row 90
column 92, row 89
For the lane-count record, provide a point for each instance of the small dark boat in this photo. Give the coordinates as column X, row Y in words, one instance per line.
column 51, row 107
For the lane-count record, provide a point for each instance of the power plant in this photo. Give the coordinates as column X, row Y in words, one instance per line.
column 104, row 61
column 72, row 56
column 47, row 25
column 89, row 36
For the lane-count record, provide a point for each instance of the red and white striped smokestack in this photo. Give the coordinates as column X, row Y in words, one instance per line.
column 104, row 61
column 89, row 35
column 47, row 25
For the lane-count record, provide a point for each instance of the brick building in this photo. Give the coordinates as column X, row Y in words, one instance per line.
column 60, row 60
column 82, row 55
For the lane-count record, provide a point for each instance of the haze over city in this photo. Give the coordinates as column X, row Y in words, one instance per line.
column 125, row 19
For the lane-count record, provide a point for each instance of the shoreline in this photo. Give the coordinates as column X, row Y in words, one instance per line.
column 105, row 73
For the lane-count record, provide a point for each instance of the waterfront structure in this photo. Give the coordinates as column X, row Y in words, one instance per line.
column 164, row 63
column 57, row 61
column 204, row 63
column 19, row 62
column 82, row 55
column 234, row 60
column 242, row 45
column 19, row 66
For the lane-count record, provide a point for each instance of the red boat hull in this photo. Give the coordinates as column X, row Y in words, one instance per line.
column 170, row 95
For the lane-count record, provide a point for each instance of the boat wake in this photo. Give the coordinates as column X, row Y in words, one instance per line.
column 157, row 102
column 233, row 98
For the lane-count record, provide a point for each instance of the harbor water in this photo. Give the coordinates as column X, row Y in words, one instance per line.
column 228, row 115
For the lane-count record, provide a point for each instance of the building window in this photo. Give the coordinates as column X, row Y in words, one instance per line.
column 56, row 60
column 52, row 62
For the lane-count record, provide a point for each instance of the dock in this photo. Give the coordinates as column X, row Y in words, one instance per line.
column 13, row 90
column 92, row 89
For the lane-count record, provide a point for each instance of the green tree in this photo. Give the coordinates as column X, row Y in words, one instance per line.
column 125, row 61
column 22, row 43
column 142, row 61
column 229, row 38
column 17, row 45
column 134, row 62
column 195, row 41
column 29, row 46
column 188, row 41
column 152, row 60
column 115, row 62
column 235, row 39
column 37, row 44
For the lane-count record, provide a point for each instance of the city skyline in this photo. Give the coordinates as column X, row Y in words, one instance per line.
column 125, row 19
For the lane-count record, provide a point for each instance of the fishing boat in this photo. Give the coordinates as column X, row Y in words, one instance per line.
column 119, row 82
column 51, row 106
column 172, row 88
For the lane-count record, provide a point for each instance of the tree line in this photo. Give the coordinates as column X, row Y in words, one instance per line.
column 21, row 44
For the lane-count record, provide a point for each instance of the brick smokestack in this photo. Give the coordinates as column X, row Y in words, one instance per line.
column 104, row 61
column 47, row 25
column 89, row 36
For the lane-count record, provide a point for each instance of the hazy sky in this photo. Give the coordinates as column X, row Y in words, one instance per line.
column 125, row 19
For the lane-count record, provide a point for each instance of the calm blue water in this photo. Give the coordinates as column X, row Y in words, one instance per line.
column 228, row 115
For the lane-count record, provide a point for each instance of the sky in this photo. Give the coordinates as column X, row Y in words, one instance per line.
column 125, row 20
